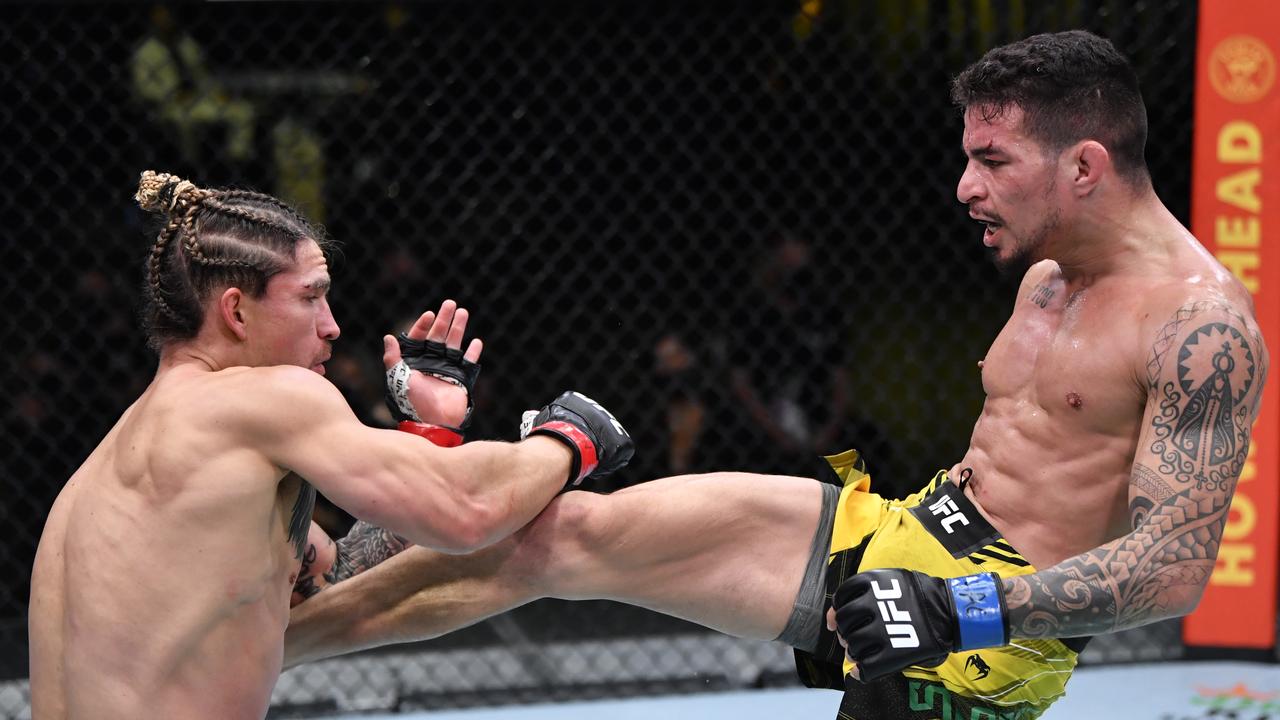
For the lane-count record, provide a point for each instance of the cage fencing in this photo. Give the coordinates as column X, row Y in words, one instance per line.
column 680, row 208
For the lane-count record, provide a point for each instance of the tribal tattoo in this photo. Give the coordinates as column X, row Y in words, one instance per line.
column 1149, row 490
column 1203, row 402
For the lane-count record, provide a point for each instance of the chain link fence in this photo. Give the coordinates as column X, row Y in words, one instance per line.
column 679, row 208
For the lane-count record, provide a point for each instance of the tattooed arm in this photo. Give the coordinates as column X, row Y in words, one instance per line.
column 325, row 563
column 1205, row 375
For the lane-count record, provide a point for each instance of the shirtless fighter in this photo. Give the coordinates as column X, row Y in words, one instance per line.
column 1120, row 396
column 162, row 581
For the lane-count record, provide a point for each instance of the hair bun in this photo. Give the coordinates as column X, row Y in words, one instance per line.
column 161, row 192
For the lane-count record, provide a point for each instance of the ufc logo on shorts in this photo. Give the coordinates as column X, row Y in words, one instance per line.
column 612, row 420
column 951, row 514
column 897, row 622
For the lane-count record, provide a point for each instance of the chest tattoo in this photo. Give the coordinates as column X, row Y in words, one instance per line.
column 300, row 519
column 1041, row 295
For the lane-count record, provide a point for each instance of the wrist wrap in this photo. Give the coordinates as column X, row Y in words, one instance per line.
column 438, row 434
column 980, row 611
column 584, row 450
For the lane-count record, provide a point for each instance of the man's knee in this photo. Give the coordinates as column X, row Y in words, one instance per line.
column 561, row 544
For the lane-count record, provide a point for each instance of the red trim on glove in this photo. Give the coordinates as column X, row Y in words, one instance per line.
column 438, row 434
column 580, row 440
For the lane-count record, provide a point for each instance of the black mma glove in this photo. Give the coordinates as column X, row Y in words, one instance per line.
column 599, row 443
column 437, row 360
column 894, row 618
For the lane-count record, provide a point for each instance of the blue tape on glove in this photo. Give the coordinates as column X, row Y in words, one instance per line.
column 978, row 613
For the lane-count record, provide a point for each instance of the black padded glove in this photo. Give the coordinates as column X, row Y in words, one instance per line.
column 599, row 443
column 894, row 618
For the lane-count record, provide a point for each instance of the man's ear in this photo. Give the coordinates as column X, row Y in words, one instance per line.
column 1089, row 163
column 231, row 310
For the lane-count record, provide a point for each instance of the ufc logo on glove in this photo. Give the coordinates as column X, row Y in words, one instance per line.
column 897, row 622
column 612, row 420
column 924, row 617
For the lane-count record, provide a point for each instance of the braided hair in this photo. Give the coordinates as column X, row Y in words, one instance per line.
column 210, row 240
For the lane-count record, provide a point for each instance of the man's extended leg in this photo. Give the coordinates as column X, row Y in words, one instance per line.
column 725, row 550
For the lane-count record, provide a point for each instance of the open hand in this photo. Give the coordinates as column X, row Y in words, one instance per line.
column 437, row 401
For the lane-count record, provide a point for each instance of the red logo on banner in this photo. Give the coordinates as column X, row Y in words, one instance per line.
column 1240, row 690
column 1242, row 69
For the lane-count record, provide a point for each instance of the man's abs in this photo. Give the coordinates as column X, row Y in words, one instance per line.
column 1052, row 451
column 1053, row 488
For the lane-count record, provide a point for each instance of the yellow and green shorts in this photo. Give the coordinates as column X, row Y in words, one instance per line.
column 938, row 531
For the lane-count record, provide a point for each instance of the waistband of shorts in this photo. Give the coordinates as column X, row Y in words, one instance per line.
column 953, row 520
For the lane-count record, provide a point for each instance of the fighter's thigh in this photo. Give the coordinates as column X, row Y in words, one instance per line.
column 727, row 550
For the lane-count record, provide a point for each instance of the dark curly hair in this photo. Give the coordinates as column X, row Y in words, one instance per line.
column 1070, row 86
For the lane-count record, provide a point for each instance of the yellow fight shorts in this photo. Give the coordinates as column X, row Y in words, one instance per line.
column 938, row 531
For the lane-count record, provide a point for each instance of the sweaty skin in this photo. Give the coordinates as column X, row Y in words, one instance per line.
column 162, row 581
column 1034, row 452
column 162, row 492
column 1120, row 394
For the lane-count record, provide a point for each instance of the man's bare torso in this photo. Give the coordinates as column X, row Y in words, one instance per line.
column 1066, row 383
column 161, row 585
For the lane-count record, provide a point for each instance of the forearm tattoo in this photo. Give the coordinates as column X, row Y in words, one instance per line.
column 1205, row 399
column 365, row 546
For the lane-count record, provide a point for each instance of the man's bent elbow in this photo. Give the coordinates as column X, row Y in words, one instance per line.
column 1171, row 603
column 1188, row 600
column 446, row 518
column 466, row 525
